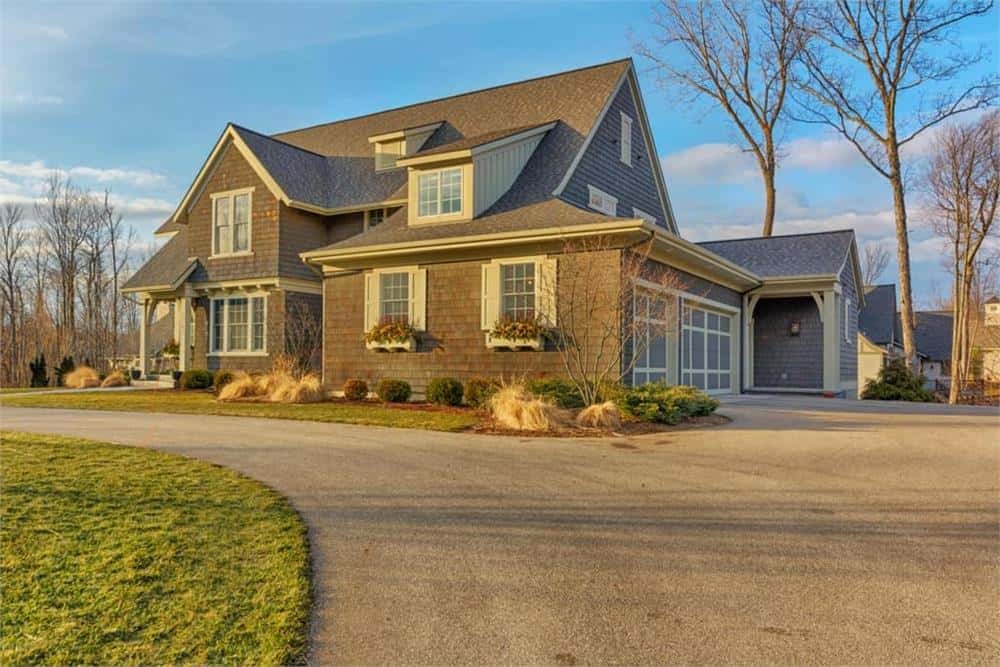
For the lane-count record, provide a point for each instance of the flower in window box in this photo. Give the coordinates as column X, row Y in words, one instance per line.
column 391, row 334
column 514, row 333
column 171, row 349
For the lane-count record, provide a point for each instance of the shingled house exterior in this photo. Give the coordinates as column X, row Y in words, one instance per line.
column 452, row 213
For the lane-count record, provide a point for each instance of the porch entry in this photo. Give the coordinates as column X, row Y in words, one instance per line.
column 706, row 350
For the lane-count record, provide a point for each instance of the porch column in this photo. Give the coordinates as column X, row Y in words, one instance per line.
column 749, row 305
column 182, row 311
column 831, row 341
column 146, row 312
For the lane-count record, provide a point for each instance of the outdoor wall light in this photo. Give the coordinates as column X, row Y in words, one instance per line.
column 794, row 328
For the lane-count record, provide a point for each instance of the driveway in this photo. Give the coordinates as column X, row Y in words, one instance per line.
column 804, row 532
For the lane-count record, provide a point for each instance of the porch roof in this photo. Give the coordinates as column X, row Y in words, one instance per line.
column 166, row 269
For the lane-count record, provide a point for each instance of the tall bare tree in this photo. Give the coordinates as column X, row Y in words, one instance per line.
column 120, row 241
column 962, row 182
column 874, row 262
column 862, row 59
column 13, row 238
column 737, row 53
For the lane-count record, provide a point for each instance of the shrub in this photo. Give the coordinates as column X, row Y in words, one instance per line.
column 355, row 390
column 479, row 390
column 896, row 382
column 64, row 368
column 196, row 378
column 662, row 404
column 82, row 377
column 243, row 385
column 444, row 391
column 394, row 391
column 222, row 378
column 514, row 407
column 116, row 379
column 307, row 389
column 559, row 391
column 39, row 373
column 600, row 415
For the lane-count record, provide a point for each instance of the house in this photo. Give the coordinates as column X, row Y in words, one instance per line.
column 451, row 214
column 986, row 340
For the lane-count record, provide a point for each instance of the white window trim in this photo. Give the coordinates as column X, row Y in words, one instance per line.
column 847, row 319
column 232, row 194
column 626, row 139
column 648, row 217
column 611, row 207
column 733, row 345
column 653, row 292
column 225, row 326
column 385, row 214
column 462, row 192
column 415, row 319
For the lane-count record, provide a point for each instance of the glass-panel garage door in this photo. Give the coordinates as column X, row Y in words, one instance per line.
column 706, row 350
column 650, row 338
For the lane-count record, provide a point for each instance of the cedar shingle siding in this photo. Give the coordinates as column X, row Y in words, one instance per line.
column 785, row 361
column 849, row 347
column 601, row 164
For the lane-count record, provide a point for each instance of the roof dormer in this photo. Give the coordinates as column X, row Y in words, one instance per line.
column 391, row 146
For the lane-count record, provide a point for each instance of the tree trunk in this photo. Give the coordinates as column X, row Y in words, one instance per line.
column 902, row 254
column 769, row 195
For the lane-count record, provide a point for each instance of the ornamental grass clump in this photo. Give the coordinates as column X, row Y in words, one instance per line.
column 306, row 389
column 600, row 415
column 241, row 386
column 514, row 407
column 115, row 379
column 82, row 377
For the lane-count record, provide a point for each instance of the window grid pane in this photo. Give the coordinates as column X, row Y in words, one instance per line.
column 237, row 324
column 451, row 191
column 241, row 223
column 223, row 232
column 394, row 301
column 518, row 291
column 427, row 187
column 705, row 352
column 217, row 322
column 257, row 342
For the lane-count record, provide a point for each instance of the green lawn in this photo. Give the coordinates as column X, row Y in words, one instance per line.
column 115, row 555
column 200, row 402
column 24, row 390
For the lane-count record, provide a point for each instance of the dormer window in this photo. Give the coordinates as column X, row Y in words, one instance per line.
column 439, row 192
column 387, row 152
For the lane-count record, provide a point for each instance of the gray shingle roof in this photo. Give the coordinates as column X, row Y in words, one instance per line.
column 932, row 333
column 876, row 319
column 790, row 255
column 542, row 214
column 164, row 268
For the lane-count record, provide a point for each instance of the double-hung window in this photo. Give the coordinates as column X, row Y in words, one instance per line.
column 394, row 297
column 231, row 222
column 439, row 192
column 238, row 325
column 517, row 291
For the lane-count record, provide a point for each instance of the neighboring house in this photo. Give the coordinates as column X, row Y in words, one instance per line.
column 932, row 336
column 986, row 340
column 453, row 213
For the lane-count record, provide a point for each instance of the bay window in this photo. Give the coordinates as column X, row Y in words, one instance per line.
column 231, row 222
column 238, row 325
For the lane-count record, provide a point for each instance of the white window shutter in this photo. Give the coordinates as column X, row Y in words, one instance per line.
column 490, row 310
column 418, row 299
column 371, row 301
column 548, row 276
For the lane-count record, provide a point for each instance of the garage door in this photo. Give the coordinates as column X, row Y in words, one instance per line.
column 707, row 349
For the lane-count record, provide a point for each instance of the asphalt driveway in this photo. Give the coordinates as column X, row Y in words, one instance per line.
column 803, row 532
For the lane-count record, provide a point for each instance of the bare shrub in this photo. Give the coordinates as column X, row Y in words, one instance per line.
column 115, row 379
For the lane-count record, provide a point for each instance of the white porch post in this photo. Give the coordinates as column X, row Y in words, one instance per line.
column 182, row 311
column 749, row 305
column 831, row 341
column 144, row 316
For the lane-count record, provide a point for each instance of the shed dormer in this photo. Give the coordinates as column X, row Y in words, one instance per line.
column 391, row 146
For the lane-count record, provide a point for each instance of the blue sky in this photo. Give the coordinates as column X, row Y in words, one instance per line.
column 133, row 96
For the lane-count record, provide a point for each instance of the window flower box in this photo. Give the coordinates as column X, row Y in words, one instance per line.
column 391, row 336
column 495, row 342
column 407, row 345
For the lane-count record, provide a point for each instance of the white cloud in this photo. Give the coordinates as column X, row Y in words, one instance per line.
column 819, row 153
column 725, row 163
column 52, row 31
column 33, row 100
column 38, row 170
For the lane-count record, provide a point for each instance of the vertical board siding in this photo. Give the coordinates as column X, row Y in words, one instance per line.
column 496, row 171
column 601, row 164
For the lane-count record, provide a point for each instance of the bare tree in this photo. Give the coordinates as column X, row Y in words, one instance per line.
column 120, row 241
column 598, row 336
column 303, row 335
column 962, row 182
column 61, row 217
column 737, row 53
column 13, row 237
column 861, row 59
column 875, row 262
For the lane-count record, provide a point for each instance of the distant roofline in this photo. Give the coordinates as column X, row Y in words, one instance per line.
column 781, row 236
column 455, row 95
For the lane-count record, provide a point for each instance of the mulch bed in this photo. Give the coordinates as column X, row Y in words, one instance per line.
column 489, row 427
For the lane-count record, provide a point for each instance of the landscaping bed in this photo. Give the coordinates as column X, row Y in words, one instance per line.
column 121, row 555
